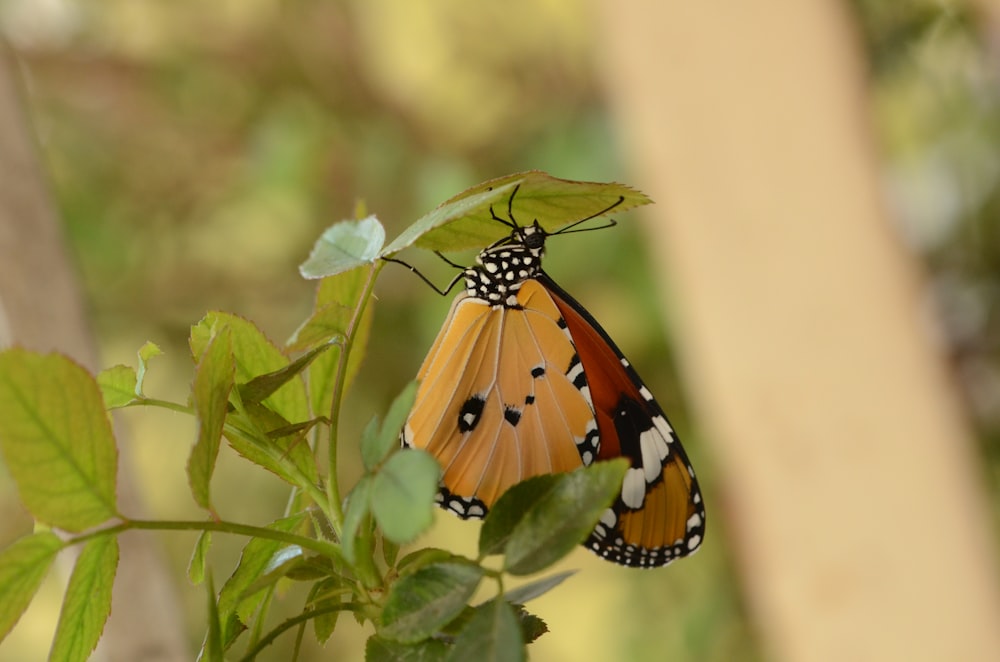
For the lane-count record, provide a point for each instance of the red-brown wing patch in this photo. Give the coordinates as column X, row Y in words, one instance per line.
column 659, row 515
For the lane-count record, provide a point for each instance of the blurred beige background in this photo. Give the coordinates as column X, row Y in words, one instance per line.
column 813, row 299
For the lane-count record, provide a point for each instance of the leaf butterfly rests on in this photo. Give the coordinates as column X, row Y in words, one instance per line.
column 522, row 381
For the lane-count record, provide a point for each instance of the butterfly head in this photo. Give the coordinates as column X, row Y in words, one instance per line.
column 501, row 269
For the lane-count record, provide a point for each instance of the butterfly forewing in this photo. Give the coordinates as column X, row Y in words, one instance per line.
column 501, row 398
column 659, row 515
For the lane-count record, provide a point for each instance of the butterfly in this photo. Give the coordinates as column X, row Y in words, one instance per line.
column 523, row 381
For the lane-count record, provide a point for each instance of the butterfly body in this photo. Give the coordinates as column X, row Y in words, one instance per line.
column 522, row 381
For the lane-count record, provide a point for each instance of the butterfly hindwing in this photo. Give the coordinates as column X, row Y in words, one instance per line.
column 502, row 397
column 659, row 515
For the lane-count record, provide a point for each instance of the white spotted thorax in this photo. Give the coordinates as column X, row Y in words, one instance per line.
column 501, row 270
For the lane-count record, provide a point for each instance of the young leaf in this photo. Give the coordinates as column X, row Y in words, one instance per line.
column 403, row 494
column 213, row 381
column 563, row 517
column 375, row 448
column 337, row 298
column 378, row 649
column 22, row 568
column 493, row 634
column 422, row 603
column 343, row 247
column 464, row 221
column 118, row 385
column 255, row 355
column 146, row 353
column 56, row 439
column 196, row 568
column 532, row 590
column 358, row 503
column 512, row 506
column 87, row 603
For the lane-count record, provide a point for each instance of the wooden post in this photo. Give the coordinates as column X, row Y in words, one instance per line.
column 849, row 487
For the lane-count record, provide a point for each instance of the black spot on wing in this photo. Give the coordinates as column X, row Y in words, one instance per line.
column 631, row 420
column 537, row 371
column 512, row 415
column 471, row 411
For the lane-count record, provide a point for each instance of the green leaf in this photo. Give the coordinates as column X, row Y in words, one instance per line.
column 343, row 247
column 532, row 627
column 23, row 566
column 358, row 503
column 422, row 603
column 563, row 517
column 509, row 510
column 493, row 634
column 327, row 594
column 337, row 297
column 88, row 600
column 196, row 568
column 262, row 386
column 375, row 448
column 403, row 494
column 464, row 221
column 147, row 352
column 532, row 590
column 213, row 382
column 213, row 647
column 254, row 560
column 281, row 455
column 378, row 649
column 255, row 355
column 280, row 564
column 56, row 439
column 425, row 556
column 118, row 385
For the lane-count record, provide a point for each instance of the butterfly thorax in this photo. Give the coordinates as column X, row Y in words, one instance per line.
column 500, row 270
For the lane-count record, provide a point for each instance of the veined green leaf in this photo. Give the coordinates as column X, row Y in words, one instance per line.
column 56, row 439
column 254, row 560
column 213, row 381
column 403, row 494
column 343, row 247
column 491, row 635
column 23, row 566
column 378, row 649
column 563, row 517
column 87, row 603
column 422, row 603
column 255, row 355
column 464, row 222
column 375, row 448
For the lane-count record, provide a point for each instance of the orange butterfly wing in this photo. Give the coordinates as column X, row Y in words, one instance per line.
column 501, row 399
column 660, row 515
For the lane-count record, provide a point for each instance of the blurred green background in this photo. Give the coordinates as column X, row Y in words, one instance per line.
column 196, row 149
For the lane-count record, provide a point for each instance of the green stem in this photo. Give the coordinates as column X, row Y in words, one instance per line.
column 165, row 404
column 318, row 546
column 292, row 622
column 334, row 510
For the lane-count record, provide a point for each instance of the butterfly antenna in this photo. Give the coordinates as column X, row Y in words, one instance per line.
column 610, row 224
column 510, row 211
column 427, row 280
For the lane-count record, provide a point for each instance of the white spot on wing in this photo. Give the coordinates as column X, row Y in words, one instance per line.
column 654, row 449
column 634, row 488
